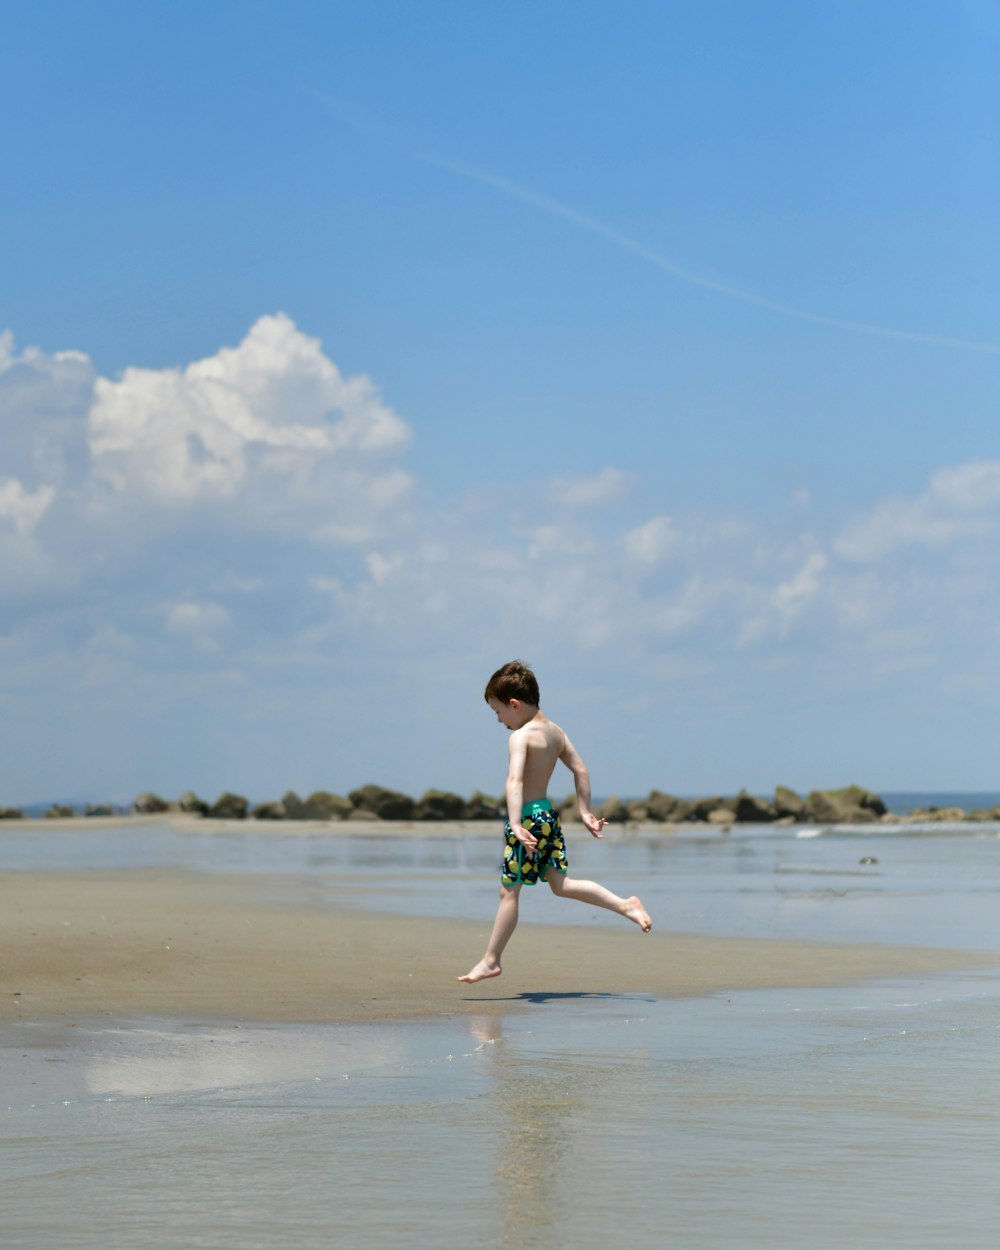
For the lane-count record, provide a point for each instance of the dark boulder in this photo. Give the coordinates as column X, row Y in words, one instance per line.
column 483, row 807
column 703, row 809
column 613, row 811
column 439, row 805
column 229, row 807
column 322, row 805
column 11, row 813
column 751, row 810
column 59, row 811
column 100, row 809
column 666, row 807
column 851, row 805
column 292, row 804
column 189, row 802
column 386, row 804
column 788, row 804
column 269, row 811
column 149, row 804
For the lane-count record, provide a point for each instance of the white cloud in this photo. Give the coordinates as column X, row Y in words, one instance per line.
column 589, row 492
column 271, row 423
column 653, row 542
column 250, row 513
column 960, row 503
column 197, row 623
column 792, row 596
column 23, row 508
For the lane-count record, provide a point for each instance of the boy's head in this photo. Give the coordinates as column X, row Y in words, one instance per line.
column 512, row 692
column 514, row 681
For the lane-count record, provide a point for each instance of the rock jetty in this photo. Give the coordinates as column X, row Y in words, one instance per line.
column 849, row 805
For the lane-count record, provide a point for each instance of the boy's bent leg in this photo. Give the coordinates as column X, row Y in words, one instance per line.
column 503, row 926
column 590, row 892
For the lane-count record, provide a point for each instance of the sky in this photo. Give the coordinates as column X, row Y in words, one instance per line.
column 348, row 350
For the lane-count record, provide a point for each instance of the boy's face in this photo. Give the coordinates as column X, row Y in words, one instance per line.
column 508, row 714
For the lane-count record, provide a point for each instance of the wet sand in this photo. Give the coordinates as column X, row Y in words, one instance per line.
column 166, row 943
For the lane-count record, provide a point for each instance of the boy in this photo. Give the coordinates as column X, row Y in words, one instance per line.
column 533, row 843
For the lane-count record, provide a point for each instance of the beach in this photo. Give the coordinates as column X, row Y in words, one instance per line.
column 221, row 1036
column 168, row 943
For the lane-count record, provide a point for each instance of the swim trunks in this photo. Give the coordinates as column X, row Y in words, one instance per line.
column 523, row 867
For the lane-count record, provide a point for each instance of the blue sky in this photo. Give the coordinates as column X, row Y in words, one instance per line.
column 352, row 349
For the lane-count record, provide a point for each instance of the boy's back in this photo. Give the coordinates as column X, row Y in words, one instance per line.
column 543, row 744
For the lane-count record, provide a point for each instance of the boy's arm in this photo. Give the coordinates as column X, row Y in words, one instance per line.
column 518, row 748
column 581, row 779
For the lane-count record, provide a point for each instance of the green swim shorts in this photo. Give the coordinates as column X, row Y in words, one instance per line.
column 523, row 867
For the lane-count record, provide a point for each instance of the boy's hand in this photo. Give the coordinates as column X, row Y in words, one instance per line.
column 527, row 837
column 594, row 823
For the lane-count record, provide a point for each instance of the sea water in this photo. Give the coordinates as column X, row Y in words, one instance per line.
column 862, row 1116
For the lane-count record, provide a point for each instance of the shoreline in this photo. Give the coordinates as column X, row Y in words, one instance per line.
column 380, row 828
column 176, row 944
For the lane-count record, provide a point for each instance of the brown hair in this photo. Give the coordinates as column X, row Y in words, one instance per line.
column 514, row 681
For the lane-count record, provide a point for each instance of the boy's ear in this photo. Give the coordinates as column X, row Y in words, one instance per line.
column 514, row 703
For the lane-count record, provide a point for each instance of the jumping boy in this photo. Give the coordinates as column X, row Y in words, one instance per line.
column 534, row 849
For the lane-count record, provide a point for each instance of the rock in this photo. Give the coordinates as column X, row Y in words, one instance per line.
column 637, row 810
column 11, row 813
column 937, row 815
column 270, row 811
column 701, row 809
column 189, row 802
column 362, row 813
column 849, row 805
column 788, row 804
column 292, row 804
column 613, row 810
column 720, row 816
column 148, row 804
column 751, row 810
column 59, row 811
column 99, row 809
column 666, row 807
column 569, row 811
column 229, row 807
column 439, row 805
column 322, row 805
column 482, row 807
column 386, row 804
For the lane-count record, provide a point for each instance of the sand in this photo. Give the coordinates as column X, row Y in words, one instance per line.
column 200, row 947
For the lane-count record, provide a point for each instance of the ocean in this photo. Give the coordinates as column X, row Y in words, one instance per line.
column 861, row 1116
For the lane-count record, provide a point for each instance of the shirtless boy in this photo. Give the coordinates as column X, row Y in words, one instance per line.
column 534, row 849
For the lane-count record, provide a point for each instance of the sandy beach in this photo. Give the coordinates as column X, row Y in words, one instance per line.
column 227, row 947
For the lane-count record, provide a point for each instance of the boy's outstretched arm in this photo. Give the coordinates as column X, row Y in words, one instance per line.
column 581, row 779
column 518, row 749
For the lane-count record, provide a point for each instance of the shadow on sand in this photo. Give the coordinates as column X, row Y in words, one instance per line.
column 555, row 996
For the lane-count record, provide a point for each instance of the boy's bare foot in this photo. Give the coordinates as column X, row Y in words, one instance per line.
column 481, row 972
column 635, row 912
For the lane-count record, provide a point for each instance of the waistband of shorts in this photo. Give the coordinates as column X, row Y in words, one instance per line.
column 537, row 806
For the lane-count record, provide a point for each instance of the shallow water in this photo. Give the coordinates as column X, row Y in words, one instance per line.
column 865, row 1116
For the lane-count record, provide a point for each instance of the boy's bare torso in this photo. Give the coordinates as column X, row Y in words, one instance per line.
column 543, row 743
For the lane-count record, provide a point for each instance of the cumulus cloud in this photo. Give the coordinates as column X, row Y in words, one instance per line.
column 271, row 424
column 960, row 503
column 250, row 514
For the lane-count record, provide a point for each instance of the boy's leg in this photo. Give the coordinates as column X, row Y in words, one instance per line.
column 590, row 892
column 503, row 926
